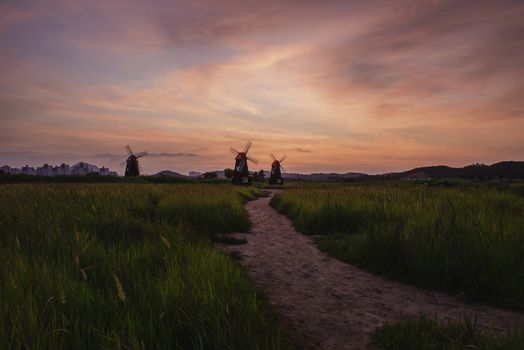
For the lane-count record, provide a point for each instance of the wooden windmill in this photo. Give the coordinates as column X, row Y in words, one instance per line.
column 275, row 178
column 131, row 163
column 241, row 172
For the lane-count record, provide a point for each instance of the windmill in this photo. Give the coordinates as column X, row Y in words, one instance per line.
column 131, row 163
column 241, row 172
column 275, row 178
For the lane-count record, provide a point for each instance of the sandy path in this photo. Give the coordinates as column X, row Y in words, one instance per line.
column 327, row 304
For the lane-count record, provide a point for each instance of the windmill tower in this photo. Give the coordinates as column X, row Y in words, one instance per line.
column 275, row 178
column 131, row 163
column 241, row 172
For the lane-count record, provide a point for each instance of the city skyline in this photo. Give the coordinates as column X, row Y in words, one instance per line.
column 364, row 86
column 79, row 168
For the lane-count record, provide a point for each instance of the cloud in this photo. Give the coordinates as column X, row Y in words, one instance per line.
column 432, row 53
column 303, row 150
column 19, row 153
column 360, row 81
column 171, row 155
column 149, row 154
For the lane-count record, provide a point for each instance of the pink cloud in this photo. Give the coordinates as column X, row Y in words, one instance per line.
column 358, row 83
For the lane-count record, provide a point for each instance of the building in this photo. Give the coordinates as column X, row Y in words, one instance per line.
column 80, row 168
column 28, row 170
column 83, row 168
column 45, row 170
column 6, row 169
column 63, row 169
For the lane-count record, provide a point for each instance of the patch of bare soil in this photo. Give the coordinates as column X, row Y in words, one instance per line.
column 327, row 304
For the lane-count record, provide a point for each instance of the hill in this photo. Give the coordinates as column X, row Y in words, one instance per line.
column 505, row 170
column 500, row 170
column 322, row 176
column 169, row 173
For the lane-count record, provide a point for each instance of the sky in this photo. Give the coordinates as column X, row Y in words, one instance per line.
column 367, row 86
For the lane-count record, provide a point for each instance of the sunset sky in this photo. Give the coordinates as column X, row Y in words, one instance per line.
column 370, row 86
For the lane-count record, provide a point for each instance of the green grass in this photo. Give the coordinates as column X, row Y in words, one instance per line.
column 127, row 266
column 466, row 240
column 427, row 333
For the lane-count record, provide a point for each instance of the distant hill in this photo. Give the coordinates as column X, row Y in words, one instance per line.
column 169, row 173
column 501, row 170
column 295, row 176
column 322, row 176
column 196, row 174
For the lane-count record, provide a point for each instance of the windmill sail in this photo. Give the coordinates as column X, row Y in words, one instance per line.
column 275, row 177
column 132, row 166
column 241, row 173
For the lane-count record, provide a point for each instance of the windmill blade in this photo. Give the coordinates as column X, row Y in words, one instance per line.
column 123, row 163
column 273, row 156
column 141, row 154
column 252, row 159
column 129, row 151
column 283, row 158
column 234, row 151
column 247, row 147
column 282, row 169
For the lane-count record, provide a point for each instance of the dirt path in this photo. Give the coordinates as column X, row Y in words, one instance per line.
column 327, row 304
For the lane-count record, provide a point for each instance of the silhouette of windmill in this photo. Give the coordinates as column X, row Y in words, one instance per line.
column 131, row 163
column 275, row 178
column 241, row 172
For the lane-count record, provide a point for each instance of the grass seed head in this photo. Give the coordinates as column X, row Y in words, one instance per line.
column 165, row 241
column 119, row 289
column 84, row 274
column 61, row 295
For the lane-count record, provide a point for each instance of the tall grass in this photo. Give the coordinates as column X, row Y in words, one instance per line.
column 467, row 240
column 427, row 333
column 127, row 266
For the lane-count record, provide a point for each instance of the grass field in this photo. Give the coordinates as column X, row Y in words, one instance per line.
column 126, row 266
column 426, row 333
column 466, row 239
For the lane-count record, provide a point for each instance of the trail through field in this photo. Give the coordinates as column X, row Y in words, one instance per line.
column 327, row 304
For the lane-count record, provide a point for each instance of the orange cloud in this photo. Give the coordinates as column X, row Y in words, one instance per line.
column 365, row 86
